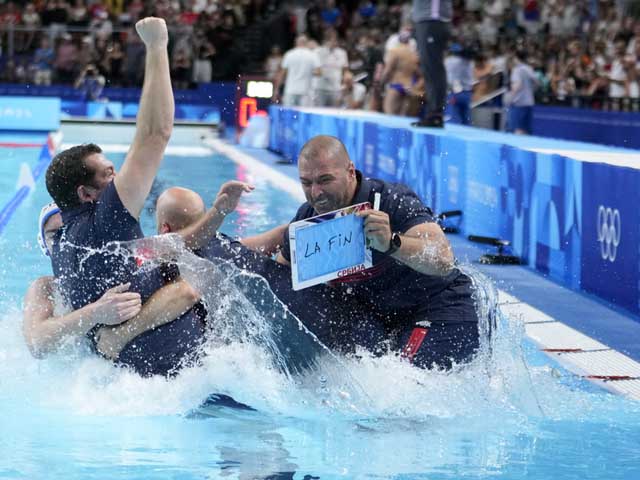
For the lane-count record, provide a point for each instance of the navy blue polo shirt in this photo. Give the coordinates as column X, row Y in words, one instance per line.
column 85, row 273
column 389, row 286
column 86, row 269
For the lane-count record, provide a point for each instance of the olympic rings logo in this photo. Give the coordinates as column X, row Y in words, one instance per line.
column 609, row 229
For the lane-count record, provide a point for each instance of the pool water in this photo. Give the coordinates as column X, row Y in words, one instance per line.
column 74, row 416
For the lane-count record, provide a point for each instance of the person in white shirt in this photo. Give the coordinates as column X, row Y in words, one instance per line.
column 459, row 67
column 298, row 67
column 273, row 62
column 314, row 99
column 618, row 73
column 520, row 97
column 334, row 63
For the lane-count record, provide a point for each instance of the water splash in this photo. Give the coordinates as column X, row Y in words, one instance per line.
column 247, row 358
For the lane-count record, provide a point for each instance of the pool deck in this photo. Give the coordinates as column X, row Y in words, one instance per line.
column 583, row 334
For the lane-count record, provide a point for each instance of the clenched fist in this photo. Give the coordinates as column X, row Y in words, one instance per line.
column 153, row 32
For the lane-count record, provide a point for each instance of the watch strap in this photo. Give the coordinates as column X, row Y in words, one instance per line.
column 394, row 243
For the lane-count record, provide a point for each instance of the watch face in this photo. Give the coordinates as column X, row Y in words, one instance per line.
column 396, row 240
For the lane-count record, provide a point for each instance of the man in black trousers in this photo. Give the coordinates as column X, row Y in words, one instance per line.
column 432, row 19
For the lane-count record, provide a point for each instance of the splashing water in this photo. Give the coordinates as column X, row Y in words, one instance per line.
column 258, row 352
column 346, row 410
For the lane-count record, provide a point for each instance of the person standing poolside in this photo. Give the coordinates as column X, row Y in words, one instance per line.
column 299, row 66
column 432, row 19
column 520, row 97
column 460, row 81
column 334, row 63
column 413, row 288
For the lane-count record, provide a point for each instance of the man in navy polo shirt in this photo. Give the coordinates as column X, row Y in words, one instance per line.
column 99, row 207
column 413, row 288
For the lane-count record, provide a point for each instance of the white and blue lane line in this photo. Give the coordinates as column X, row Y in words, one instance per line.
column 48, row 144
column 557, row 328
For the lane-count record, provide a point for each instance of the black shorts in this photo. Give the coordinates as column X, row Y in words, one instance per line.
column 451, row 331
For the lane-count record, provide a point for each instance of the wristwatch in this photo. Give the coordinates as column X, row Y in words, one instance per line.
column 394, row 243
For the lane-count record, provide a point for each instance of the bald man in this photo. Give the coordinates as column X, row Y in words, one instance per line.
column 177, row 208
column 413, row 288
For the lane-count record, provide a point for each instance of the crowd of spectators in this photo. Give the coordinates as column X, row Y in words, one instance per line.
column 55, row 41
column 588, row 49
column 584, row 52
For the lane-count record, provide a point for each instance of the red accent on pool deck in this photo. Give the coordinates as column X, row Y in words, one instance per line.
column 19, row 145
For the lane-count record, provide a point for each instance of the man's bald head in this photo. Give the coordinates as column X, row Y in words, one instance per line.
column 327, row 175
column 325, row 149
column 177, row 208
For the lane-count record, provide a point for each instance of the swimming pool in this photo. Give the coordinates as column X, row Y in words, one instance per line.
column 74, row 416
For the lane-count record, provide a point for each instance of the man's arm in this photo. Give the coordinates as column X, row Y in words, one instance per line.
column 424, row 247
column 389, row 67
column 164, row 306
column 198, row 234
column 44, row 332
column 267, row 243
column 155, row 119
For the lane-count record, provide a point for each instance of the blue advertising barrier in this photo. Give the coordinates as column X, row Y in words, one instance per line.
column 585, row 125
column 31, row 114
column 118, row 111
column 191, row 104
column 572, row 220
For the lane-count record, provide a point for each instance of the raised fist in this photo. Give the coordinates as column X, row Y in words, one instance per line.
column 153, row 32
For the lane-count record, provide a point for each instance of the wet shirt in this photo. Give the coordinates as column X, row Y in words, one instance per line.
column 87, row 263
column 84, row 271
column 390, row 287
